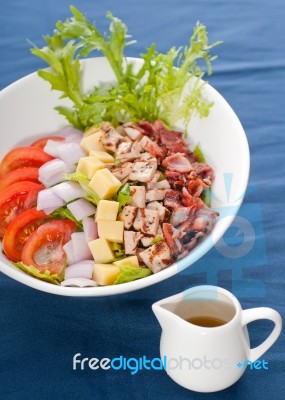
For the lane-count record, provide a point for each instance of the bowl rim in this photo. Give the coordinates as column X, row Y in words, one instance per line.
column 178, row 266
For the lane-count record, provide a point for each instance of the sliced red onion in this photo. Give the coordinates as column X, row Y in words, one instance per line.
column 68, row 249
column 49, row 210
column 79, row 282
column 81, row 209
column 47, row 199
column 69, row 191
column 51, row 147
column 70, row 152
column 53, row 172
column 81, row 249
column 52, row 180
column 70, row 133
column 90, row 229
column 82, row 269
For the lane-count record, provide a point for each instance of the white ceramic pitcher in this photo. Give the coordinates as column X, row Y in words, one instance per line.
column 208, row 359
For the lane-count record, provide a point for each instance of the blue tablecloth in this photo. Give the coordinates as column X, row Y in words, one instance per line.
column 40, row 333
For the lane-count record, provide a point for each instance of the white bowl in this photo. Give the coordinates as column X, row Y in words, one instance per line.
column 27, row 111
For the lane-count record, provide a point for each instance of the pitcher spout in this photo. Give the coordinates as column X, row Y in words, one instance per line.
column 164, row 311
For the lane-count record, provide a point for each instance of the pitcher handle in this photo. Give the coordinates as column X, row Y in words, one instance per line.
column 254, row 314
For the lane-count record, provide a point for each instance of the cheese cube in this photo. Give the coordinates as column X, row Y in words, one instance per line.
column 105, row 274
column 101, row 250
column 132, row 260
column 93, row 142
column 104, row 183
column 89, row 165
column 91, row 130
column 102, row 156
column 107, row 210
column 111, row 230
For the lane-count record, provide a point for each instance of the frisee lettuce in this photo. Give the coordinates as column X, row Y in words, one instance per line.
column 45, row 276
column 130, row 273
column 155, row 91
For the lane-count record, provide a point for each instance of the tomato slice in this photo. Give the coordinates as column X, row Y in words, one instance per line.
column 19, row 230
column 21, row 174
column 15, row 199
column 23, row 157
column 44, row 247
column 43, row 141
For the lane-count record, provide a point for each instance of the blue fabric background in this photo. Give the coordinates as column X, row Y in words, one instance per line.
column 40, row 333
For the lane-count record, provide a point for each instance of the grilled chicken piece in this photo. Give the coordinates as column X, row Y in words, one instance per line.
column 111, row 138
column 155, row 195
column 134, row 134
column 147, row 240
column 131, row 240
column 153, row 182
column 128, row 216
column 146, row 221
column 121, row 171
column 147, row 157
column 143, row 171
column 132, row 154
column 124, row 147
column 152, row 147
column 163, row 184
column 138, row 196
column 162, row 211
column 156, row 257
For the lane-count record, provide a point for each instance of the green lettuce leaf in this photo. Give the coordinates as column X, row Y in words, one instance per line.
column 157, row 239
column 64, row 213
column 118, row 250
column 124, row 196
column 199, row 154
column 206, row 197
column 46, row 276
column 84, row 182
column 130, row 273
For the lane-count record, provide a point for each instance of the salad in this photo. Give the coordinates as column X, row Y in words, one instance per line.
column 118, row 194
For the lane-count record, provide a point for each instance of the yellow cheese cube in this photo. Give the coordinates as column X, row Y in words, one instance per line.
column 91, row 130
column 102, row 156
column 132, row 260
column 89, row 165
column 105, row 184
column 111, row 230
column 101, row 250
column 107, row 210
column 105, row 274
column 93, row 142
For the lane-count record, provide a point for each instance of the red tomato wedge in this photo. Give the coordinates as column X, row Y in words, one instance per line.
column 19, row 230
column 21, row 174
column 23, row 157
column 15, row 199
column 43, row 141
column 44, row 247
